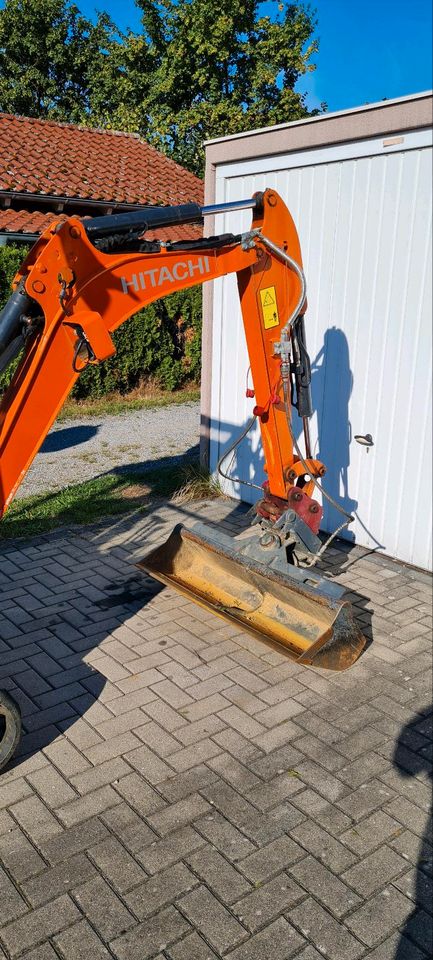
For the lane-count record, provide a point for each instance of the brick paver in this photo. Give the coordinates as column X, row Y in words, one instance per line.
column 185, row 792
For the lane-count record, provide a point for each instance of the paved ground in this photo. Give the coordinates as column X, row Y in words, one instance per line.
column 99, row 445
column 188, row 793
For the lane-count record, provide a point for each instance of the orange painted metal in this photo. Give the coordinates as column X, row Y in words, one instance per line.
column 296, row 471
column 267, row 274
column 85, row 295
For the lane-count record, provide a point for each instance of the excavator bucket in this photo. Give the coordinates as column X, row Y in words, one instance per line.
column 298, row 610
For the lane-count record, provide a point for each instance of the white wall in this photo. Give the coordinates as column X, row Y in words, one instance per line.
column 364, row 219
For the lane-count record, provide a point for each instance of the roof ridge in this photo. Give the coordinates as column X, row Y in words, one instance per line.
column 63, row 123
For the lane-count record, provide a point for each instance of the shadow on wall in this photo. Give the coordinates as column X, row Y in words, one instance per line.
column 411, row 759
column 331, row 388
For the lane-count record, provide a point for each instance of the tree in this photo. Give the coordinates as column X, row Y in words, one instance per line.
column 49, row 58
column 197, row 69
column 219, row 69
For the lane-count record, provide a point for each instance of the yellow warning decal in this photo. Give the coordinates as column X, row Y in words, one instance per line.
column 268, row 299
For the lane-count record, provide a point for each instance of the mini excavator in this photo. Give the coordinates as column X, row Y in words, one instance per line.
column 78, row 284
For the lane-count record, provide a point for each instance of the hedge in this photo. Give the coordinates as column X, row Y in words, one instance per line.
column 162, row 342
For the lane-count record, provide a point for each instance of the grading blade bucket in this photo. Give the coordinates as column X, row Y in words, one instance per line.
column 294, row 608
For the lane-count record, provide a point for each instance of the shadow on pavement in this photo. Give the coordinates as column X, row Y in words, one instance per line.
column 412, row 756
column 46, row 670
column 52, row 692
column 68, row 437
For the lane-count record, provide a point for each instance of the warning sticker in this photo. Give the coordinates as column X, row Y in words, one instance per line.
column 268, row 300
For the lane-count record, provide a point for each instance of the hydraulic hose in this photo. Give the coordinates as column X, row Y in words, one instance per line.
column 246, row 483
column 285, row 335
column 349, row 517
column 291, row 263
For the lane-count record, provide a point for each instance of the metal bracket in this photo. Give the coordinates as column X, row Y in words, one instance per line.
column 248, row 239
column 83, row 348
column 292, row 525
column 269, row 542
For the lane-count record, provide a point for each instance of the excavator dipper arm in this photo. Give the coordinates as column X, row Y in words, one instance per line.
column 80, row 282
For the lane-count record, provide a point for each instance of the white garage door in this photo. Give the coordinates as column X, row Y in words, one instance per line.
column 363, row 212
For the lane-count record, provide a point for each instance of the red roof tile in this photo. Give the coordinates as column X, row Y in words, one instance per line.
column 24, row 221
column 58, row 159
column 33, row 222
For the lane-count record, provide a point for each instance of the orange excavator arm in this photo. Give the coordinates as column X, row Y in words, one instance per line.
column 80, row 282
column 71, row 296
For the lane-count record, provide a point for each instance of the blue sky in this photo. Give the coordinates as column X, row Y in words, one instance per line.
column 369, row 49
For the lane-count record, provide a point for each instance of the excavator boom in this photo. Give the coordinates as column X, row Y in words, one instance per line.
column 80, row 282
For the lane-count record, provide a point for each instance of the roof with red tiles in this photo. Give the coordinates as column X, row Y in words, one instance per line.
column 45, row 158
column 24, row 221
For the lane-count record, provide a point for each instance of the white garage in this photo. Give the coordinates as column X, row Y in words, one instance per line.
column 358, row 184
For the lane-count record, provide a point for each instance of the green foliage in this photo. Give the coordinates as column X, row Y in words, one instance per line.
column 196, row 70
column 11, row 259
column 163, row 341
column 50, row 57
column 221, row 69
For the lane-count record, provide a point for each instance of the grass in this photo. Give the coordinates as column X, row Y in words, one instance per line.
column 105, row 496
column 144, row 398
column 198, row 484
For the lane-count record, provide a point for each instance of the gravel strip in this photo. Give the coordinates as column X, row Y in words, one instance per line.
column 86, row 447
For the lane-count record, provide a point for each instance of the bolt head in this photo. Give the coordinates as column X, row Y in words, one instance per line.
column 267, row 540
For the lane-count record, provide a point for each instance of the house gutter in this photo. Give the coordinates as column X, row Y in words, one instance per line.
column 8, row 236
column 48, row 199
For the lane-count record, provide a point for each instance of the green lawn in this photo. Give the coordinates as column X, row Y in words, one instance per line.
column 105, row 496
column 118, row 404
column 87, row 502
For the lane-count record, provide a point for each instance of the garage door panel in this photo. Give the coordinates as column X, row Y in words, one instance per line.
column 365, row 230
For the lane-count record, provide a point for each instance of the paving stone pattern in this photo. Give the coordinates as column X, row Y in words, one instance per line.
column 184, row 791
